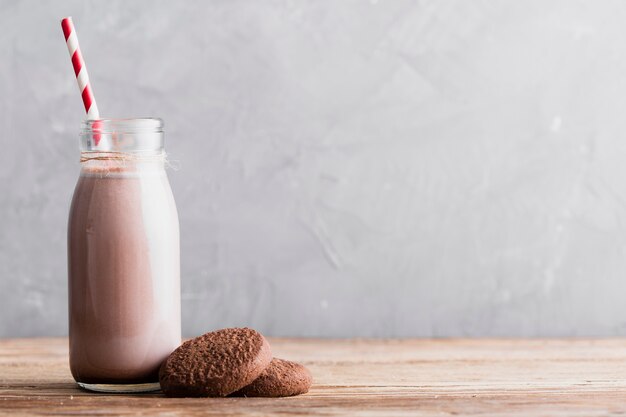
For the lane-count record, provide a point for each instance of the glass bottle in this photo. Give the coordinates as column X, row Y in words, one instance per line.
column 123, row 258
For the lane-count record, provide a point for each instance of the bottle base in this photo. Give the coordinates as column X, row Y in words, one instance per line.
column 121, row 388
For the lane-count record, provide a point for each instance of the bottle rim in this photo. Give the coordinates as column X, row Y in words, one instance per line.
column 123, row 125
column 122, row 135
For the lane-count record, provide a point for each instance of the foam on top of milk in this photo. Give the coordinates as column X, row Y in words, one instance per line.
column 133, row 171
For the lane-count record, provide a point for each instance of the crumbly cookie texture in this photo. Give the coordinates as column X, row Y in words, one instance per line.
column 215, row 364
column 281, row 379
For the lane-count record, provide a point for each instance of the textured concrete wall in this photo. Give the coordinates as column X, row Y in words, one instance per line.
column 346, row 168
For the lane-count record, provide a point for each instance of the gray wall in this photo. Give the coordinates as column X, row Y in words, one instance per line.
column 346, row 168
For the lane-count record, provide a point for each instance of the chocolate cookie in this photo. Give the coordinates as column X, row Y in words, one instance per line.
column 281, row 379
column 215, row 364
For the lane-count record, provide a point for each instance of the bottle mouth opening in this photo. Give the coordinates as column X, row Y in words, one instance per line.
column 128, row 125
column 122, row 135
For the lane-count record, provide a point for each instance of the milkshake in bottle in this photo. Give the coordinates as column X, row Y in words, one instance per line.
column 123, row 258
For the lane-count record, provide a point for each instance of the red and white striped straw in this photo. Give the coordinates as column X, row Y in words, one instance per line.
column 80, row 69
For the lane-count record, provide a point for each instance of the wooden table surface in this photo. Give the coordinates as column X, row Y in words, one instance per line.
column 360, row 377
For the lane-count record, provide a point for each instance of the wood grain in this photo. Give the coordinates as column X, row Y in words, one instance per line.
column 360, row 377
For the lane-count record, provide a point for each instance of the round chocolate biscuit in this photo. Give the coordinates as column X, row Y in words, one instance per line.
column 281, row 379
column 215, row 364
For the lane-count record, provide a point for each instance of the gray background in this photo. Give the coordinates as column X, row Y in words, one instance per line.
column 345, row 168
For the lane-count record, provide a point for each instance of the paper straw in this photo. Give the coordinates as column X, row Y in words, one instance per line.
column 80, row 70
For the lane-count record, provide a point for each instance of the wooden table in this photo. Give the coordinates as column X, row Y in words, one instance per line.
column 364, row 377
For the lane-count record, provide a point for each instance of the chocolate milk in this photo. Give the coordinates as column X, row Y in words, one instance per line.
column 124, row 279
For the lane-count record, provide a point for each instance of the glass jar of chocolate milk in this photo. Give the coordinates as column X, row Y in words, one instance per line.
column 123, row 258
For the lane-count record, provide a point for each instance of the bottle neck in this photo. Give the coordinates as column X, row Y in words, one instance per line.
column 127, row 136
